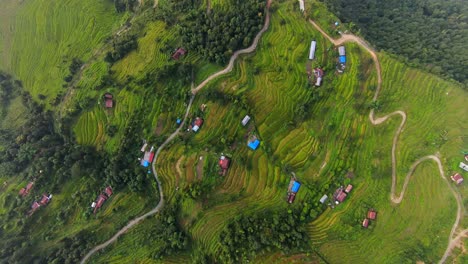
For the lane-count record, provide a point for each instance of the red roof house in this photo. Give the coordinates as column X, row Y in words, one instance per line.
column 22, row 192
column 179, row 52
column 108, row 99
column 99, row 202
column 108, row 191
column 291, row 198
column 35, row 205
column 45, row 199
column 224, row 163
column 197, row 123
column 341, row 196
column 371, row 214
column 365, row 223
column 457, row 178
column 348, row 188
column 25, row 191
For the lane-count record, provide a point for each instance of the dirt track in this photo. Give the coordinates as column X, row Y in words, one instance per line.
column 173, row 135
column 452, row 242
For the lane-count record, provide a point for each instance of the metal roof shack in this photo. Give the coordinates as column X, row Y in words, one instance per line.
column 324, row 198
column 463, row 166
column 348, row 188
column 108, row 99
column 365, row 223
column 254, row 144
column 245, row 120
column 457, row 178
column 45, row 199
column 25, row 191
column 224, row 164
column 340, row 195
column 295, row 187
column 341, row 51
column 108, row 191
column 342, row 59
column 371, row 214
column 291, row 198
column 99, row 202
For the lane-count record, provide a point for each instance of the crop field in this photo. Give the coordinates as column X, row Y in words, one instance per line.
column 76, row 28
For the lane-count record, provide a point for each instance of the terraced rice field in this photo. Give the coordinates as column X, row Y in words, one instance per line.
column 76, row 28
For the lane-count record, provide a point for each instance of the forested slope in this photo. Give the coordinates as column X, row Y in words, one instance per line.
column 433, row 33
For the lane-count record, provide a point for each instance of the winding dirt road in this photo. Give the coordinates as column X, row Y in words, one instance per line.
column 160, row 205
column 452, row 242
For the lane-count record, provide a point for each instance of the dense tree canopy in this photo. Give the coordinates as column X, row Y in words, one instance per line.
column 432, row 33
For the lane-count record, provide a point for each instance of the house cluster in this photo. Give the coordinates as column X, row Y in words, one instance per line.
column 371, row 215
column 102, row 197
column 341, row 193
column 293, row 188
column 457, row 177
column 25, row 190
column 223, row 164
column 341, row 59
column 43, row 202
column 178, row 52
column 108, row 100
column 148, row 155
column 317, row 72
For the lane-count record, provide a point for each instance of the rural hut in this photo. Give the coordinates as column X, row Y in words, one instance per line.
column 224, row 164
column 348, row 188
column 318, row 72
column 341, row 51
column 463, row 166
column 108, row 100
column 313, row 46
column 197, row 123
column 253, row 144
column 323, row 199
column 457, row 178
column 108, row 191
column 301, row 5
column 45, row 199
column 371, row 214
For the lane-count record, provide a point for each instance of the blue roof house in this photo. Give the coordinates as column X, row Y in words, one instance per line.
column 342, row 59
column 254, row 144
column 295, row 187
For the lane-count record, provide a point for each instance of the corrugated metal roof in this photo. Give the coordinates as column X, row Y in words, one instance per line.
column 295, row 187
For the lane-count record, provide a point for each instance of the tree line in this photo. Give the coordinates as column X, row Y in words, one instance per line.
column 430, row 33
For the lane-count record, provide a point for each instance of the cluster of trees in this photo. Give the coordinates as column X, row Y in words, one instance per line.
column 121, row 46
column 9, row 88
column 270, row 231
column 125, row 5
column 432, row 33
column 218, row 34
column 75, row 66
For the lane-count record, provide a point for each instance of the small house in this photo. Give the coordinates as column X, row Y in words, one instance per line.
column 466, row 157
column 342, row 59
column 341, row 51
column 35, row 205
column 179, row 52
column 372, row 214
column 457, row 178
column 348, row 188
column 365, row 223
column 463, row 166
column 340, row 195
column 313, row 45
column 245, row 120
column 197, row 124
column 295, row 187
column 291, row 198
column 108, row 100
column 143, row 148
column 323, row 199
column 25, row 191
column 99, row 202
column 254, row 144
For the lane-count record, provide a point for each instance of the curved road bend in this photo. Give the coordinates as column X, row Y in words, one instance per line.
column 376, row 121
column 173, row 135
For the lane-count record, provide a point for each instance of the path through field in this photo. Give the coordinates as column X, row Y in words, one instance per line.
column 160, row 205
column 376, row 121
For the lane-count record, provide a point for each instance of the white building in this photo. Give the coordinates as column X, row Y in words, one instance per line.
column 245, row 120
column 301, row 5
column 341, row 50
column 313, row 45
column 463, row 166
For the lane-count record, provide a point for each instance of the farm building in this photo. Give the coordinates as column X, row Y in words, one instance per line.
column 324, row 198
column 313, row 46
column 108, row 100
column 179, row 52
column 224, row 164
column 35, row 205
column 108, row 191
column 341, row 51
column 342, row 59
column 295, row 187
column 197, row 123
column 99, row 202
column 25, row 191
column 365, row 223
column 457, row 178
column 371, row 214
column 466, row 157
column 348, row 188
column 463, row 166
column 143, row 148
column 301, row 5
column 44, row 201
column 245, row 120
column 253, row 144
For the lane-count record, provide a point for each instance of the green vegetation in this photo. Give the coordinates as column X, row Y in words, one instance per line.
column 321, row 134
column 432, row 33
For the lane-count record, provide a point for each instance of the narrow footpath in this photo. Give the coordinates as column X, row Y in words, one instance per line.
column 160, row 205
column 452, row 241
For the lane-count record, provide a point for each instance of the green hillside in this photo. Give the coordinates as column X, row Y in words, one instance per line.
column 322, row 135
